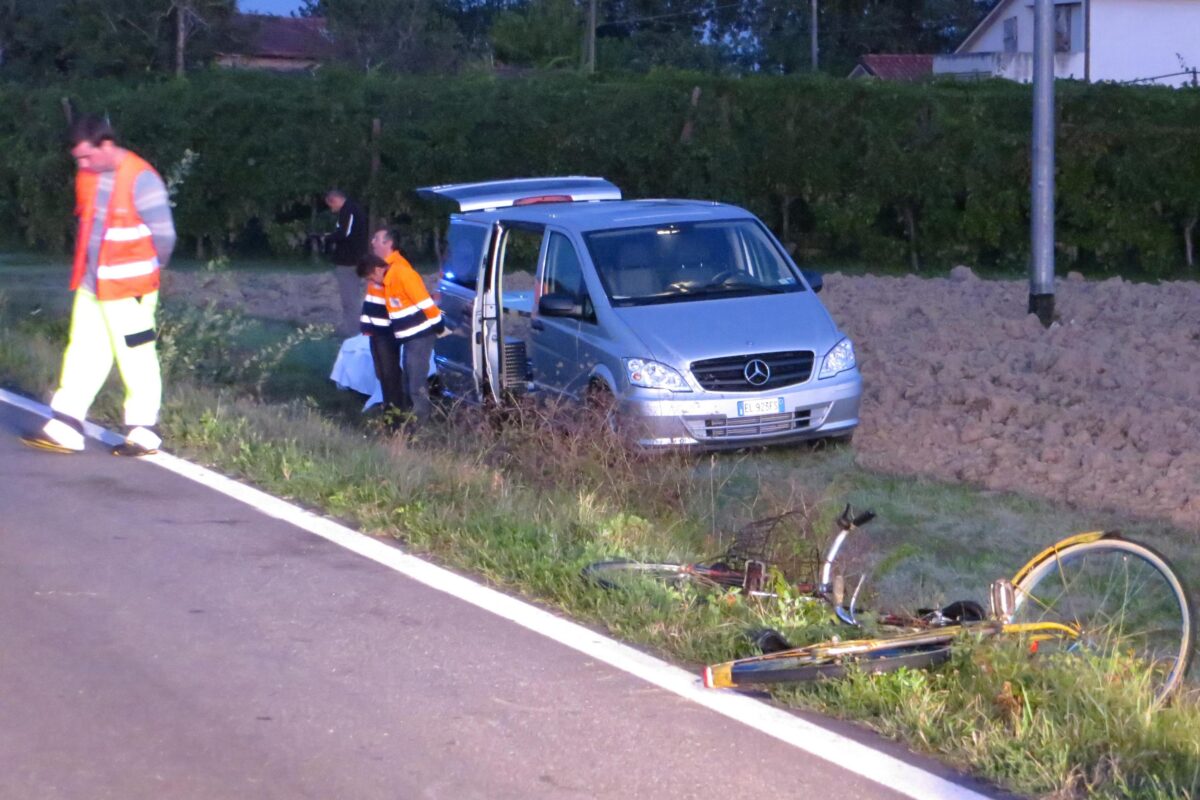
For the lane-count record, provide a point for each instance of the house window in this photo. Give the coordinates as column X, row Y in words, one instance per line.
column 1062, row 29
column 1010, row 35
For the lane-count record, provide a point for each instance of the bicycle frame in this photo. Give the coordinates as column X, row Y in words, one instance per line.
column 931, row 642
column 826, row 586
column 1054, row 549
column 1041, row 631
column 999, row 624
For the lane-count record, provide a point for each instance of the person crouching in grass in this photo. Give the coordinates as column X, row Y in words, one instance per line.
column 385, row 349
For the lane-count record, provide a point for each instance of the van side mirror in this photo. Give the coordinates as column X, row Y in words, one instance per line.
column 814, row 279
column 558, row 304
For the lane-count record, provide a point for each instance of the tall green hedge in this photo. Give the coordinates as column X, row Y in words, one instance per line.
column 885, row 174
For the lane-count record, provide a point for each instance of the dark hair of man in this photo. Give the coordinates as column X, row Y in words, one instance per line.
column 391, row 236
column 91, row 129
column 367, row 264
column 336, row 193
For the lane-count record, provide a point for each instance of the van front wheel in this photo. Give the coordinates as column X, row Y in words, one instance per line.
column 602, row 406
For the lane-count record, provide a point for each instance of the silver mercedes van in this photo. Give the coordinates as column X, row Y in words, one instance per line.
column 688, row 318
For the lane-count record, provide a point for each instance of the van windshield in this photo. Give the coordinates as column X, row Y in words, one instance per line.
column 690, row 261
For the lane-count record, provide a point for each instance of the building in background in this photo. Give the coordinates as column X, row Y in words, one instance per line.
column 905, row 68
column 279, row 44
column 1144, row 41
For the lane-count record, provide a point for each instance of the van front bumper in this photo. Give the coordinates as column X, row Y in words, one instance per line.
column 812, row 410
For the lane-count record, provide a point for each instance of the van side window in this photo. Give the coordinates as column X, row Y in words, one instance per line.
column 563, row 273
column 464, row 253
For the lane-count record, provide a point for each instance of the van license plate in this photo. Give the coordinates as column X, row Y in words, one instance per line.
column 753, row 408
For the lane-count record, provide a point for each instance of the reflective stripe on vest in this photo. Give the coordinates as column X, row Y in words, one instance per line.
column 122, row 272
column 126, row 234
column 374, row 317
column 411, row 309
column 127, row 265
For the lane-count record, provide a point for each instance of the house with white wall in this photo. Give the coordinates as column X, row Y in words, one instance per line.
column 1147, row 41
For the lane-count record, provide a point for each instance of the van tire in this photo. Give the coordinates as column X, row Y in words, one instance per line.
column 602, row 404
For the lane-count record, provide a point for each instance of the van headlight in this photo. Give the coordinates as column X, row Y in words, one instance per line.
column 839, row 359
column 653, row 375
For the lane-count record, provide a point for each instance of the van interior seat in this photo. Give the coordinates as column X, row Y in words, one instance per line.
column 634, row 274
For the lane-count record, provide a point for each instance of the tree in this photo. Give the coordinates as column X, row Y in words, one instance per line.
column 196, row 16
column 117, row 37
column 399, row 35
column 774, row 35
column 643, row 34
column 544, row 33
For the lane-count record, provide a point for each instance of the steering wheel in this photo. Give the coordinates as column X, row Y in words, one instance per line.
column 722, row 277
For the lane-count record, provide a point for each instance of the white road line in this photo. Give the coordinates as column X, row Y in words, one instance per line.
column 839, row 750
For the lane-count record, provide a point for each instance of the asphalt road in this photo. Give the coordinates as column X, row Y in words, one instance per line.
column 159, row 640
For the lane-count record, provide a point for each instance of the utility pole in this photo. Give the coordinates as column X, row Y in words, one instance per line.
column 373, row 180
column 590, row 54
column 1041, row 265
column 181, row 22
column 813, row 31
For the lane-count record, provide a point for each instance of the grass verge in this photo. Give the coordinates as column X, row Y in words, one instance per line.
column 527, row 503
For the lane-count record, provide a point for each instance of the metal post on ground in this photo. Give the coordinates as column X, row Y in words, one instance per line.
column 1041, row 265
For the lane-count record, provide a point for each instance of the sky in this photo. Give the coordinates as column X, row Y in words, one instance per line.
column 283, row 7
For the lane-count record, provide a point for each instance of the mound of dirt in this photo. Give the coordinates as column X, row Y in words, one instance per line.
column 962, row 384
column 301, row 297
column 1099, row 410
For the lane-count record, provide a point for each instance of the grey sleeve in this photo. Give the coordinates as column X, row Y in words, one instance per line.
column 154, row 206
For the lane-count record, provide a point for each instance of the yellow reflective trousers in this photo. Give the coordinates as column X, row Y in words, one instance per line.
column 101, row 332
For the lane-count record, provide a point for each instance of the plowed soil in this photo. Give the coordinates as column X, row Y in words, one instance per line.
column 1099, row 410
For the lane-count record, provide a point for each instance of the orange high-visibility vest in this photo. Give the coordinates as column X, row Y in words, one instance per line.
column 410, row 308
column 128, row 263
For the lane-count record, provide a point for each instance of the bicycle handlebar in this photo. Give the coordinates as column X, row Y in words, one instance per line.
column 847, row 523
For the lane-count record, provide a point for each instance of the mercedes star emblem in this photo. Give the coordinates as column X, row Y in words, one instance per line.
column 757, row 372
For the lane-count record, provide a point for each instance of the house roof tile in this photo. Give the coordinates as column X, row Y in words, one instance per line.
column 267, row 36
column 898, row 67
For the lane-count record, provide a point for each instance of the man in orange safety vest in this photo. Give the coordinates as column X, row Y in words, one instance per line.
column 125, row 236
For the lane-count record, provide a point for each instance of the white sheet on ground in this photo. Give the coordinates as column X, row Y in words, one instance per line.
column 354, row 369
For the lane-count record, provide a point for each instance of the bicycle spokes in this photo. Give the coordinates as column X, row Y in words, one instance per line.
column 1121, row 605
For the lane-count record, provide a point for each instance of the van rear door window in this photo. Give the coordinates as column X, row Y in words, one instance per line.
column 464, row 253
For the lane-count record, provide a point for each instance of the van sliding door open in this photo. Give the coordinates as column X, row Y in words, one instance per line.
column 488, row 334
column 504, row 304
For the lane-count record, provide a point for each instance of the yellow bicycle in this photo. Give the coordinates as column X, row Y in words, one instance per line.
column 1095, row 593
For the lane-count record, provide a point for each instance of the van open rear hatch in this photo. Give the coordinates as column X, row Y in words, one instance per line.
column 522, row 191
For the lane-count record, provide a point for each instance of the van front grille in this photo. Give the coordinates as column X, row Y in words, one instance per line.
column 722, row 427
column 757, row 372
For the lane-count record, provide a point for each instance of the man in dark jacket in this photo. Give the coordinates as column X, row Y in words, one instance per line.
column 347, row 246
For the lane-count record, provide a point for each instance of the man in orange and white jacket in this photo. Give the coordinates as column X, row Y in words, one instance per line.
column 125, row 236
column 415, row 319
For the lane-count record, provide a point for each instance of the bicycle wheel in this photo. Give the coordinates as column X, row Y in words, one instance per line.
column 613, row 574
column 1124, row 599
column 813, row 663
